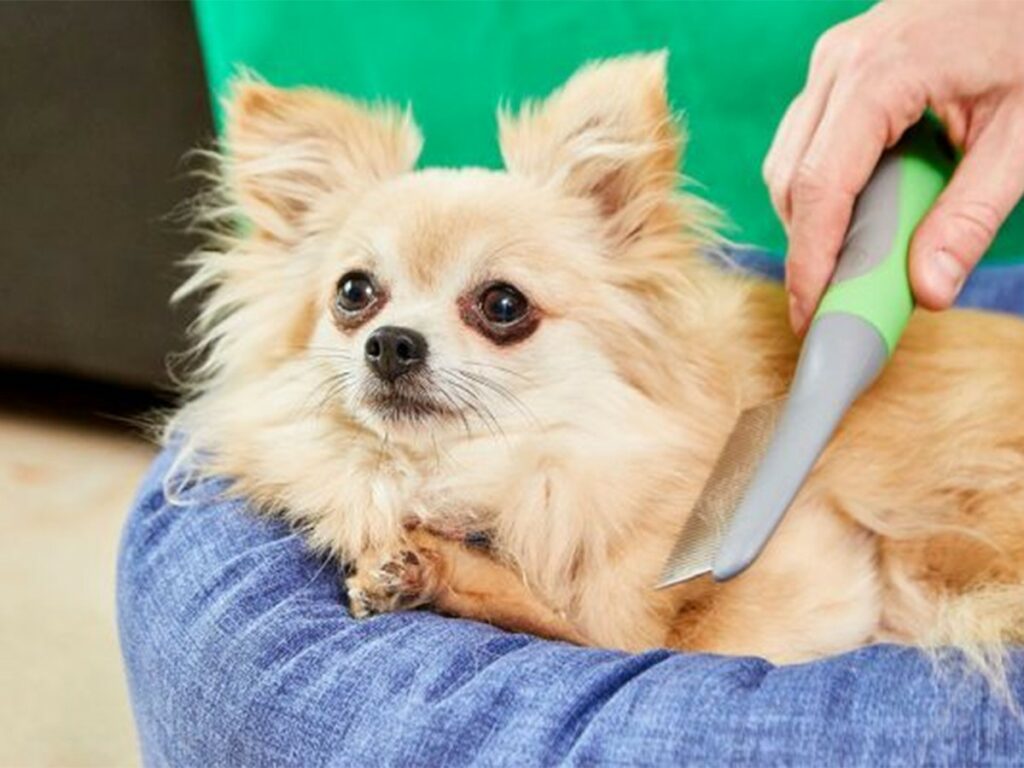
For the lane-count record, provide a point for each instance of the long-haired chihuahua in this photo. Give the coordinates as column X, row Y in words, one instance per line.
column 406, row 363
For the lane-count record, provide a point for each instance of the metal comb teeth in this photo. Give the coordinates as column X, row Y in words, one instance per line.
column 694, row 552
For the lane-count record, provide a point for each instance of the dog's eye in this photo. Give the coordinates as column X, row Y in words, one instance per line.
column 503, row 305
column 500, row 312
column 356, row 292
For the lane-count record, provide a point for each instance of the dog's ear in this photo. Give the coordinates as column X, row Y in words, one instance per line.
column 288, row 149
column 608, row 134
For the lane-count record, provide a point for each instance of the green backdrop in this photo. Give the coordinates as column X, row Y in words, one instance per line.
column 734, row 65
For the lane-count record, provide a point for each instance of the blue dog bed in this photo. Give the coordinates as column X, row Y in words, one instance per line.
column 239, row 652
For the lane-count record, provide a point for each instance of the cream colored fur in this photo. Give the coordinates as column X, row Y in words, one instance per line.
column 580, row 449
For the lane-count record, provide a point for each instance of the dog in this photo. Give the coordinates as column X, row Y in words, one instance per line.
column 403, row 362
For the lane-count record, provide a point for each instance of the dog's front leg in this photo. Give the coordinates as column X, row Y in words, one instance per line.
column 454, row 579
column 474, row 585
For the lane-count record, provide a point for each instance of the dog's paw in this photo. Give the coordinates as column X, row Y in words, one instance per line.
column 393, row 582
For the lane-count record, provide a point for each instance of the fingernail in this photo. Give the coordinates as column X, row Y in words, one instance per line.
column 946, row 273
column 797, row 313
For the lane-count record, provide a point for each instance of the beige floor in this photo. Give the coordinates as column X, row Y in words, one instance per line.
column 64, row 488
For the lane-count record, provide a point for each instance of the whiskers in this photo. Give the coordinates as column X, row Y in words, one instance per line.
column 476, row 392
column 335, row 377
column 476, row 395
column 466, row 399
column 502, row 369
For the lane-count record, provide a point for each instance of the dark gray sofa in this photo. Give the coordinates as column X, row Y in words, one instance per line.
column 98, row 104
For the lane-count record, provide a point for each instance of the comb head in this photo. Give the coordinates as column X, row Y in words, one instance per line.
column 694, row 552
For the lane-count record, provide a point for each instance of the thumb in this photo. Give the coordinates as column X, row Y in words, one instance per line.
column 964, row 221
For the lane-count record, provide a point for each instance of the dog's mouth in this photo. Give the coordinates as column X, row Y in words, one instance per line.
column 395, row 403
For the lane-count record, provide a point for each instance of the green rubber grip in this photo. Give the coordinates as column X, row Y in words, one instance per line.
column 871, row 279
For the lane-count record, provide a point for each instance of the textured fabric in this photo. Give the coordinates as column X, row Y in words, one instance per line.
column 733, row 67
column 239, row 652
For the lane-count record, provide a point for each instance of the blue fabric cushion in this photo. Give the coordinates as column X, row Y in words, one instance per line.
column 239, row 651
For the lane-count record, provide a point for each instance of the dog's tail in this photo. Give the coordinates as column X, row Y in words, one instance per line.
column 982, row 624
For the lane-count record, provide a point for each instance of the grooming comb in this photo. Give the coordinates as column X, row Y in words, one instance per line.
column 774, row 446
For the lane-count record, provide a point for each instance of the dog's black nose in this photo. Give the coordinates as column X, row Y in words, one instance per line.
column 391, row 351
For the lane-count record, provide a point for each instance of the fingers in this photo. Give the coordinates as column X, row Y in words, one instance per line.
column 861, row 119
column 963, row 222
column 797, row 127
column 790, row 142
column 820, row 215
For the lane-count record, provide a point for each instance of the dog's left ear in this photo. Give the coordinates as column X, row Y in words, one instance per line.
column 607, row 135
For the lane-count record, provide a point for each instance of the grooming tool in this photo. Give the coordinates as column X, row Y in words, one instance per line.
column 774, row 446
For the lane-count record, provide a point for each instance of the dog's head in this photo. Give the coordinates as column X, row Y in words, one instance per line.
column 458, row 297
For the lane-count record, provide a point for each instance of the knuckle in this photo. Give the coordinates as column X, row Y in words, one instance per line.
column 805, row 272
column 871, row 88
column 780, row 203
column 797, row 275
column 900, row 97
column 829, row 46
column 810, row 184
column 778, row 198
column 775, row 181
column 975, row 223
column 822, row 53
column 860, row 55
column 891, row 102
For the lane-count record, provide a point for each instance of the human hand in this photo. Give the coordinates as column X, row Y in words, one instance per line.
column 870, row 79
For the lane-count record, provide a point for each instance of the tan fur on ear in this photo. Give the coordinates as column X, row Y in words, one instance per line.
column 288, row 149
column 607, row 135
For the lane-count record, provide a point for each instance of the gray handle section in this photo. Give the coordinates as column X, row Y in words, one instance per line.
column 842, row 355
column 875, row 221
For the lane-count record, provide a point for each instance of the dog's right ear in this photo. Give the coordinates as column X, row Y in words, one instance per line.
column 287, row 150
